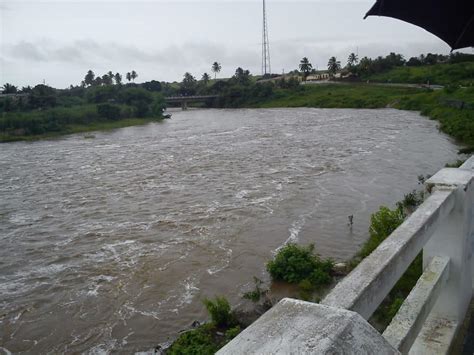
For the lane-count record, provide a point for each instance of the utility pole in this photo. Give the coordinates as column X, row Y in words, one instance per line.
column 266, row 69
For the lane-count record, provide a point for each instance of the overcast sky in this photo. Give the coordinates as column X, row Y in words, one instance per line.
column 58, row 41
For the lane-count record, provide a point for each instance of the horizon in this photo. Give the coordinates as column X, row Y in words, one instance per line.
column 163, row 40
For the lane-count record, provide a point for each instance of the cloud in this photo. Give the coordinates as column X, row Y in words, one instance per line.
column 66, row 63
column 25, row 51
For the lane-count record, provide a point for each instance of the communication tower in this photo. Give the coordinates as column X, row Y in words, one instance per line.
column 266, row 69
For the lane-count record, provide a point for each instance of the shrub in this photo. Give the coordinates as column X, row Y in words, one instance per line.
column 411, row 201
column 382, row 224
column 198, row 341
column 295, row 263
column 256, row 293
column 232, row 333
column 108, row 111
column 220, row 312
column 456, row 164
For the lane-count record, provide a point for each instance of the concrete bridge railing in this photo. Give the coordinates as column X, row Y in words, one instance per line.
column 430, row 317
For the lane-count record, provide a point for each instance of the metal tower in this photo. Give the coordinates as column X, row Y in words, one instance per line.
column 266, row 69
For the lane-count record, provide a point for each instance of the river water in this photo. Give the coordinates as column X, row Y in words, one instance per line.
column 110, row 244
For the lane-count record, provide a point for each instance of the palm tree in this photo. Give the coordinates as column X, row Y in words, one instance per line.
column 352, row 60
column 9, row 89
column 89, row 78
column 216, row 68
column 118, row 78
column 205, row 78
column 333, row 65
column 305, row 67
column 128, row 76
column 134, row 75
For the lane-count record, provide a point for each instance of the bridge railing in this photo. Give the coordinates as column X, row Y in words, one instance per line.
column 429, row 318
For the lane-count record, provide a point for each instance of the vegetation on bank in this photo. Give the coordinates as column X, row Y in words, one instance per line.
column 209, row 337
column 441, row 74
column 300, row 265
column 382, row 224
column 44, row 112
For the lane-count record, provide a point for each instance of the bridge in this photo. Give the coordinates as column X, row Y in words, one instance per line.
column 184, row 100
column 430, row 317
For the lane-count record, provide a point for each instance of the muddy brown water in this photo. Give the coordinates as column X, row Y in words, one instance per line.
column 110, row 244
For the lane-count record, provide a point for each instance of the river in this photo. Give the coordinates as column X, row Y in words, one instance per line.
column 110, row 244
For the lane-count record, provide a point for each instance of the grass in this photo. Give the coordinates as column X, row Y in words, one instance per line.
column 337, row 96
column 442, row 74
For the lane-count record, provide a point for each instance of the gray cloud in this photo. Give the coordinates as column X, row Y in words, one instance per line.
column 25, row 51
column 53, row 59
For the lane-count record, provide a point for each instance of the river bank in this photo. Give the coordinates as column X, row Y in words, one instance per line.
column 80, row 128
column 452, row 107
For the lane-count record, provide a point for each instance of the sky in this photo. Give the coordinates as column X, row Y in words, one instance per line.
column 57, row 42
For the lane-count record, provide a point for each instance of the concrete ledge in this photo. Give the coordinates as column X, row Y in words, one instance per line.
column 298, row 327
column 435, row 337
column 450, row 178
column 407, row 323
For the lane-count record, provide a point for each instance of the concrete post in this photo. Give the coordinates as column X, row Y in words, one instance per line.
column 452, row 239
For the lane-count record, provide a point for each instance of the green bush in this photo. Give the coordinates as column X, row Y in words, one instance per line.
column 295, row 263
column 232, row 333
column 108, row 111
column 411, row 201
column 382, row 224
column 220, row 312
column 195, row 342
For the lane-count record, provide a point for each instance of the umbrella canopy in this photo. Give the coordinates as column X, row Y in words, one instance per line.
column 450, row 20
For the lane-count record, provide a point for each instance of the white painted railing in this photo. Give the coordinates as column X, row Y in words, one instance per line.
column 429, row 318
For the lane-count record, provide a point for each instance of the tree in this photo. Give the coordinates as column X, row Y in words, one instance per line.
column 97, row 81
column 242, row 76
column 26, row 89
column 152, row 85
column 106, row 79
column 305, row 67
column 205, row 78
column 134, row 75
column 216, row 68
column 333, row 65
column 118, row 78
column 188, row 85
column 9, row 89
column 352, row 60
column 42, row 96
column 129, row 76
column 158, row 105
column 89, row 78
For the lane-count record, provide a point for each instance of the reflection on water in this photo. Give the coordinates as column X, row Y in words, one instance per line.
column 110, row 243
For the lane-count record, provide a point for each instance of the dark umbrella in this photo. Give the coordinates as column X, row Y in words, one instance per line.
column 450, row 20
